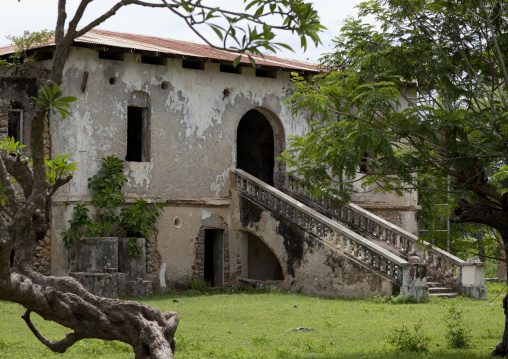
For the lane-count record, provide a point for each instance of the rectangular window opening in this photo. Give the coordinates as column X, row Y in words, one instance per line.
column 194, row 65
column 138, row 135
column 153, row 60
column 115, row 56
column 366, row 163
column 230, row 69
column 15, row 125
column 44, row 55
column 266, row 73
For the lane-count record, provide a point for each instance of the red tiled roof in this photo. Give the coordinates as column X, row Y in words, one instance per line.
column 176, row 48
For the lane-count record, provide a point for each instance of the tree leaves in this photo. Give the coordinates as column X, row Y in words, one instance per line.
column 51, row 99
column 424, row 92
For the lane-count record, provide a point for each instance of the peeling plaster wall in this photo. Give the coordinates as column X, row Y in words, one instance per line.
column 193, row 125
column 193, row 129
column 16, row 92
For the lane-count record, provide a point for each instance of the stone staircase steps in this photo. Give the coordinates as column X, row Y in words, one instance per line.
column 445, row 295
column 438, row 289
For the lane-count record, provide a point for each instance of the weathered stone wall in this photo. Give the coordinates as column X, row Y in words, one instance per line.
column 4, row 112
column 192, row 147
column 153, row 260
column 16, row 92
column 42, row 259
column 404, row 217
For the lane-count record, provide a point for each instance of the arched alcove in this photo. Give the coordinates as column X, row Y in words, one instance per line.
column 260, row 139
column 262, row 263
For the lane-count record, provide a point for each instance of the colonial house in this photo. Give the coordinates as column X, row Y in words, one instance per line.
column 202, row 137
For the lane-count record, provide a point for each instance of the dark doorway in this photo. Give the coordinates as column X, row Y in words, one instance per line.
column 214, row 257
column 15, row 125
column 255, row 146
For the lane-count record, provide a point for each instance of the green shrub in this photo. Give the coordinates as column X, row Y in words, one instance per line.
column 458, row 336
column 196, row 284
column 416, row 341
column 134, row 221
column 399, row 299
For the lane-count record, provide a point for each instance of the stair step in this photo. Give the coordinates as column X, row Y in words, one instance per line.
column 440, row 290
column 435, row 284
column 445, row 295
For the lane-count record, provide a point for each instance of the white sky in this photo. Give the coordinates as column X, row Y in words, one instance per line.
column 15, row 17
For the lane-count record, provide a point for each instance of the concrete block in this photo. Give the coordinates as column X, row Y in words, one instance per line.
column 138, row 288
column 96, row 255
column 473, row 279
column 133, row 267
column 110, row 285
column 474, row 291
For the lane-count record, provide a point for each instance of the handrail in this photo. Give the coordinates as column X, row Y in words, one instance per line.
column 396, row 237
column 325, row 229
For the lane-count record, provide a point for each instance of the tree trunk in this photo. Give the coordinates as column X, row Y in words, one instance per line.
column 497, row 218
column 65, row 301
column 502, row 347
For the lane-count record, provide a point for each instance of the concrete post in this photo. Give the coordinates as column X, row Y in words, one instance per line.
column 473, row 278
column 414, row 279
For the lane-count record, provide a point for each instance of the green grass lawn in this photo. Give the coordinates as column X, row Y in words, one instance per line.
column 256, row 324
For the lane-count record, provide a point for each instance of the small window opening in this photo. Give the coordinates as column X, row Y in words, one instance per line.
column 44, row 55
column 266, row 73
column 15, row 125
column 230, row 69
column 112, row 80
column 153, row 60
column 165, row 85
column 308, row 77
column 116, row 56
column 365, row 165
column 195, row 65
column 138, row 131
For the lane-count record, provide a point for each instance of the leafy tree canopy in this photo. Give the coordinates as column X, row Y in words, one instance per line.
column 410, row 102
column 417, row 100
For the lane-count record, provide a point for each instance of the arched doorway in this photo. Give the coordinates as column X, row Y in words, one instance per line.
column 256, row 146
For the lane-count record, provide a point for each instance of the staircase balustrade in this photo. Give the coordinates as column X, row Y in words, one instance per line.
column 327, row 230
column 407, row 243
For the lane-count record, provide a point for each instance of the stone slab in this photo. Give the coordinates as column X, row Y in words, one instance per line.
column 97, row 255
column 110, row 285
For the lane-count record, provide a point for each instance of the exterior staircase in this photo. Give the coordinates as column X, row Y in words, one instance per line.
column 444, row 269
column 439, row 289
column 364, row 236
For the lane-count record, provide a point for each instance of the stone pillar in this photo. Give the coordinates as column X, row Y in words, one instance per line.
column 414, row 279
column 473, row 278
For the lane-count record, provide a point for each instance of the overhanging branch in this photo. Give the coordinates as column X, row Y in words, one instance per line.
column 60, row 346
